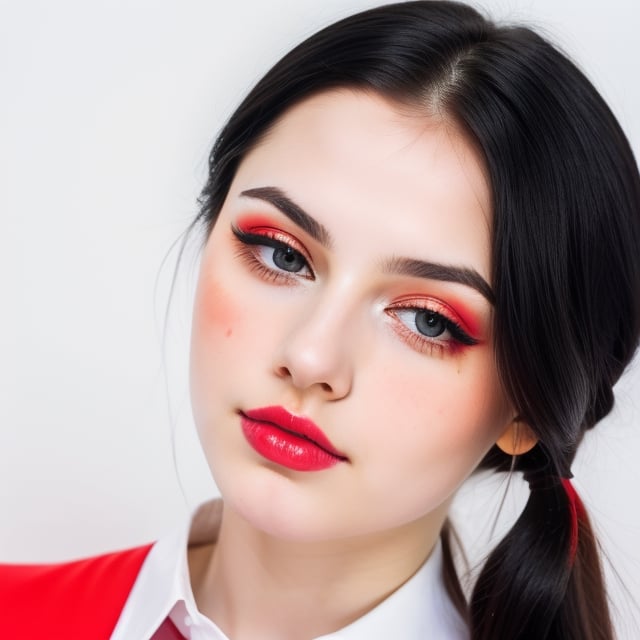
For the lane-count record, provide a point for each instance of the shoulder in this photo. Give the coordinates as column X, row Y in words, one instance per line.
column 80, row 599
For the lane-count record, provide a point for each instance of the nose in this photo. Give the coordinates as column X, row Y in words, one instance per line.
column 317, row 352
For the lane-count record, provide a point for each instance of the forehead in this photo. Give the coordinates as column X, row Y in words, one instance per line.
column 380, row 173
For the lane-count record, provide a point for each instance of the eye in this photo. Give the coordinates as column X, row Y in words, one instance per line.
column 273, row 255
column 288, row 259
column 425, row 329
column 430, row 323
column 426, row 322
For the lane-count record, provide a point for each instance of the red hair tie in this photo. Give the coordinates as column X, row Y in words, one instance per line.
column 577, row 511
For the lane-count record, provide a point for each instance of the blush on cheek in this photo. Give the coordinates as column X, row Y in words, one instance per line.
column 215, row 309
column 216, row 316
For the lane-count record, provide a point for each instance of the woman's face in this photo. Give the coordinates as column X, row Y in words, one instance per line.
column 344, row 282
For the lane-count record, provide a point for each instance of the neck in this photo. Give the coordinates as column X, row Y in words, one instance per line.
column 254, row 585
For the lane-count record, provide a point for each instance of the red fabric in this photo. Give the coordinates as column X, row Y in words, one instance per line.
column 167, row 631
column 79, row 600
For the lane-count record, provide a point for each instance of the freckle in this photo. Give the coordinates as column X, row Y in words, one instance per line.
column 229, row 332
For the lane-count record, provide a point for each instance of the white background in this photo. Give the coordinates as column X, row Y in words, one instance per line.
column 107, row 112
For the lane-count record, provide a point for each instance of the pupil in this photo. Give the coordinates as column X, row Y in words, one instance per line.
column 288, row 259
column 430, row 323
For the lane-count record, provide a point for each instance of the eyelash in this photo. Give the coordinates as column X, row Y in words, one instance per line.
column 432, row 346
column 249, row 243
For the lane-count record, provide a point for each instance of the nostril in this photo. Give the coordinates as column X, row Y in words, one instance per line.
column 326, row 387
column 283, row 372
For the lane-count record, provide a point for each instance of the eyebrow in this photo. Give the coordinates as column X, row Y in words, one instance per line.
column 446, row 273
column 294, row 212
column 401, row 266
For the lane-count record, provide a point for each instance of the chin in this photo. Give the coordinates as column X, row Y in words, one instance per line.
column 279, row 506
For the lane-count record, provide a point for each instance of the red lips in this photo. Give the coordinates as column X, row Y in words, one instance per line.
column 288, row 440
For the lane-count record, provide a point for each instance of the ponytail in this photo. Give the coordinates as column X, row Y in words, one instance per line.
column 544, row 580
column 585, row 609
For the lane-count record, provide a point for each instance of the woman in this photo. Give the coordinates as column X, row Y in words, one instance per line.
column 421, row 258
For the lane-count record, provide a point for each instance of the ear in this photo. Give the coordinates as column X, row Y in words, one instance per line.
column 517, row 438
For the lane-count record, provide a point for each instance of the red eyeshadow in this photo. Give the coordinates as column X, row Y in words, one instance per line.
column 468, row 319
column 255, row 221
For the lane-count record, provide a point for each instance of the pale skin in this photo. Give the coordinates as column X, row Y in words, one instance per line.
column 301, row 554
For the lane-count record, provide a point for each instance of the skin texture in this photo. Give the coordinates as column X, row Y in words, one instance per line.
column 335, row 343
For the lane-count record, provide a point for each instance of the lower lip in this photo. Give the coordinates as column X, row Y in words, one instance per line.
column 286, row 449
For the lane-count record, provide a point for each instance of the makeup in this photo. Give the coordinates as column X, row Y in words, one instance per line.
column 251, row 222
column 460, row 313
column 274, row 254
column 454, row 310
column 258, row 224
column 291, row 441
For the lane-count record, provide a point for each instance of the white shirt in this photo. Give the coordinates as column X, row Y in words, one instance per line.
column 420, row 609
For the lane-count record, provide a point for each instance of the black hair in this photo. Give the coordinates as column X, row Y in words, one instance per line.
column 566, row 261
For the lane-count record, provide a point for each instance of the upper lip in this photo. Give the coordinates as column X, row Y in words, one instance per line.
column 297, row 425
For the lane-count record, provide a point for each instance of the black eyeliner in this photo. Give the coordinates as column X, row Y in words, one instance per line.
column 458, row 332
column 259, row 239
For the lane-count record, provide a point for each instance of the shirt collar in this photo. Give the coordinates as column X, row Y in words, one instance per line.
column 163, row 589
column 419, row 609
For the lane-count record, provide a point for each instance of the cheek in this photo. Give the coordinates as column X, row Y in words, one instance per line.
column 215, row 311
column 444, row 421
column 217, row 321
